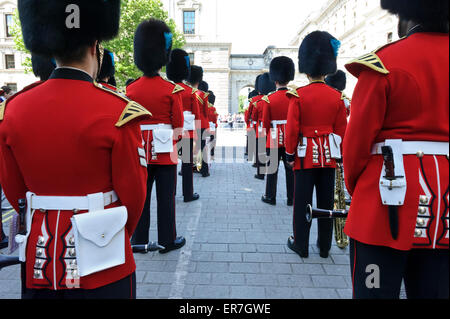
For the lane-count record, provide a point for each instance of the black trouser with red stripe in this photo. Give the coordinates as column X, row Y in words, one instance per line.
column 121, row 289
column 377, row 272
column 165, row 177
column 272, row 179
column 187, row 149
column 260, row 155
column 323, row 179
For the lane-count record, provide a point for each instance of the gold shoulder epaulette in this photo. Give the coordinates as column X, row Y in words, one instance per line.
column 206, row 94
column 194, row 90
column 266, row 99
column 372, row 61
column 132, row 110
column 106, row 89
column 293, row 92
column 2, row 110
column 200, row 99
column 178, row 88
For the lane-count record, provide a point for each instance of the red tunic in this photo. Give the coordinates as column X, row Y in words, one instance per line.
column 275, row 108
column 203, row 100
column 190, row 103
column 63, row 138
column 402, row 93
column 315, row 111
column 257, row 117
column 163, row 99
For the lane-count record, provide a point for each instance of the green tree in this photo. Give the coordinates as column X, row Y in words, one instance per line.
column 133, row 12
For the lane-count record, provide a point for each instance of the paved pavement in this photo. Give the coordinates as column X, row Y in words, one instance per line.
column 236, row 245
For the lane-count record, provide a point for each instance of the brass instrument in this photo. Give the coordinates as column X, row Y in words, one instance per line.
column 340, row 204
column 316, row 213
column 198, row 161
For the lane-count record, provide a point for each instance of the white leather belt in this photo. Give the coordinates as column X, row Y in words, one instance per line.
column 70, row 202
column 156, row 127
column 276, row 123
column 187, row 113
column 417, row 147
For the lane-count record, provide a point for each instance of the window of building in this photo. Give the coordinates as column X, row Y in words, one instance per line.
column 189, row 22
column 389, row 37
column 10, row 61
column 12, row 86
column 9, row 24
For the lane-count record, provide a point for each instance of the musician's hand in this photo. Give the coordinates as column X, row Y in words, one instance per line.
column 291, row 164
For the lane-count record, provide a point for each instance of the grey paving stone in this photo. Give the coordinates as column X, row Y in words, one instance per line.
column 345, row 293
column 228, row 279
column 158, row 277
column 221, row 256
column 245, row 268
column 319, row 293
column 257, row 257
column 308, row 269
column 329, row 281
column 244, row 292
column 211, row 292
column 243, row 248
column 198, row 279
column 211, row 267
column 270, row 248
column 146, row 291
column 214, row 247
column 283, row 293
column 295, row 281
column 276, row 268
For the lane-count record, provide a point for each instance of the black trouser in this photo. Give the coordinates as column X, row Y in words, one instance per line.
column 122, row 289
column 165, row 177
column 260, row 167
column 251, row 142
column 377, row 272
column 187, row 149
column 323, row 180
column 272, row 179
column 213, row 143
column 205, row 167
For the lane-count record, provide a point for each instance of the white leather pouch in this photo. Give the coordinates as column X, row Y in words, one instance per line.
column 100, row 239
column 212, row 126
column 163, row 139
column 301, row 149
column 189, row 121
column 335, row 146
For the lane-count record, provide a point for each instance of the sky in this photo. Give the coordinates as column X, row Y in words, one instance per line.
column 255, row 24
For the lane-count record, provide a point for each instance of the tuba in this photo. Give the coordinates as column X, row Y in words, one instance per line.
column 340, row 204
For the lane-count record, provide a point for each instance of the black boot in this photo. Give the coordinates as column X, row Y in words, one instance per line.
column 177, row 244
column 293, row 246
column 270, row 201
column 194, row 197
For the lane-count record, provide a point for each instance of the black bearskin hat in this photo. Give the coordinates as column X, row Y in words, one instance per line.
column 433, row 15
column 203, row 86
column 257, row 85
column 152, row 46
column 211, row 97
column 196, row 74
column 253, row 94
column 265, row 84
column 317, row 54
column 282, row 69
column 179, row 66
column 42, row 66
column 107, row 70
column 55, row 27
column 337, row 80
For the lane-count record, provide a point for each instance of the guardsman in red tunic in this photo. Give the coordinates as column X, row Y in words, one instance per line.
column 178, row 70
column 74, row 150
column 265, row 86
column 275, row 112
column 247, row 119
column 163, row 98
column 396, row 159
column 339, row 82
column 107, row 70
column 254, row 97
column 315, row 129
column 212, row 117
column 203, row 94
